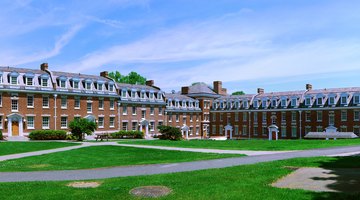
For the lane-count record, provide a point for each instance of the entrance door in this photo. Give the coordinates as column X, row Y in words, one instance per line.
column 273, row 135
column 15, row 128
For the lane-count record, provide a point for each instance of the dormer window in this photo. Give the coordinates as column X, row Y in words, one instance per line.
column 236, row 104
column 357, row 99
column 176, row 103
column 76, row 84
column 256, row 103
column 169, row 103
column 151, row 95
column 308, row 101
column 1, row 78
column 184, row 104
column 283, row 102
column 143, row 94
column 221, row 105
column 331, row 100
column 13, row 76
column 62, row 83
column 159, row 96
column 100, row 86
column 29, row 81
column 319, row 101
column 43, row 80
column 133, row 94
column 274, row 103
column 245, row 104
column 88, row 86
column 343, row 100
column 293, row 102
column 111, row 87
column 123, row 93
column 264, row 102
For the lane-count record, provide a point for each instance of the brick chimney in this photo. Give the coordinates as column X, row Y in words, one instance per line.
column 260, row 91
column 150, row 83
column 104, row 74
column 44, row 67
column 308, row 86
column 218, row 87
column 185, row 90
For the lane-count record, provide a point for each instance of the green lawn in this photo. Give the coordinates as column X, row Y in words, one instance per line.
column 256, row 145
column 242, row 182
column 7, row 148
column 104, row 156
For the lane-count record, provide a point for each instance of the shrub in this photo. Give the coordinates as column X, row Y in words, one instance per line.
column 1, row 135
column 48, row 135
column 128, row 135
column 169, row 133
column 80, row 126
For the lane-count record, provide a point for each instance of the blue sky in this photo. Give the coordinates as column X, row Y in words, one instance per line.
column 274, row 44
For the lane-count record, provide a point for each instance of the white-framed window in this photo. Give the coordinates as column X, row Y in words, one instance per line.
column 236, row 117
column 89, row 107
column 293, row 116
column 13, row 80
column 308, row 101
column 170, row 117
column 112, row 122
column 221, row 116
column 1, row 122
column 143, row 114
column 331, row 119
column 160, row 110
column 343, row 129
column 77, row 103
column 283, row 117
column 143, row 95
column 62, row 83
column 100, row 86
column 244, row 116
column 63, row 102
column 101, row 104
column 30, row 101
column 307, row 129
column 44, row 82
column 283, row 131
column 319, row 129
column 133, row 94
column 245, row 103
column 319, row 116
column 112, row 104
column 125, row 110
column 331, row 100
column 64, row 122
column 30, row 122
column 343, row 115
column 1, row 79
column 255, row 117
column 134, row 110
column 256, row 104
column 236, row 130
column 177, row 118
column 293, row 131
column 152, row 126
column 123, row 93
column 111, row 87
column 152, row 110
column 356, row 115
column 134, row 126
column 255, row 130
column 293, row 102
column 264, row 103
column 151, row 95
column 191, row 117
column 29, row 81
column 244, row 130
column 45, row 122
column 45, row 102
column 308, row 116
column 125, row 126
column 264, row 118
column 14, row 105
column 357, row 99
column 283, row 102
column 319, row 101
column 213, row 129
column 88, row 85
column 101, row 122
column 343, row 100
column 274, row 103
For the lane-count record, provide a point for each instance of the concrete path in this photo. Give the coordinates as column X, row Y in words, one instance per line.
column 164, row 168
column 249, row 153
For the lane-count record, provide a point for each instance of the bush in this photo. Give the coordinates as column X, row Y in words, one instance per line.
column 82, row 126
column 48, row 135
column 169, row 133
column 128, row 135
column 1, row 135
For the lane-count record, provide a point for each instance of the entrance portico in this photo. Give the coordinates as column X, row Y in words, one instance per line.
column 15, row 125
column 144, row 127
column 228, row 129
column 185, row 131
column 273, row 132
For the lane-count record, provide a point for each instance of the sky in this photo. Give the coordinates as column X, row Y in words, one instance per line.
column 278, row 45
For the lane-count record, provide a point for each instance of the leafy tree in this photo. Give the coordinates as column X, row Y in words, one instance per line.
column 82, row 126
column 131, row 78
column 169, row 133
column 238, row 93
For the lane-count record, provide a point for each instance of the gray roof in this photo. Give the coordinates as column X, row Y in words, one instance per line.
column 200, row 88
column 333, row 90
column 138, row 87
column 178, row 96
column 281, row 94
column 234, row 97
column 79, row 75
column 21, row 70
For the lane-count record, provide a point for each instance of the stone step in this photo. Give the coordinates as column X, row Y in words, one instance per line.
column 17, row 138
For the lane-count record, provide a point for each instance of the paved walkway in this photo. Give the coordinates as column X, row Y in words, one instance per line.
column 248, row 153
column 165, row 168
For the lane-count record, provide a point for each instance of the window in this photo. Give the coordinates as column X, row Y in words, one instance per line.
column 124, row 110
column 143, row 95
column 319, row 116
column 293, row 131
column 319, row 129
column 62, row 83
column 331, row 119
column 283, row 102
column 101, row 104
column 77, row 103
column 14, row 105
column 283, row 117
column 293, row 102
column 357, row 99
column 214, row 129
column 221, row 117
column 357, row 130
column 76, row 84
column 255, row 130
column 264, row 117
column 221, row 130
column 89, row 107
column 343, row 129
column 236, row 117
column 13, row 80
column 64, row 122
column 100, row 87
column 264, row 130
column 245, row 104
column 256, row 104
column 308, row 101
column 244, row 116
column 344, row 100
column 293, row 116
column 283, row 131
column 63, row 102
column 160, row 110
column 152, row 126
column 152, row 110
column 88, row 86
column 356, row 115
column 134, row 126
column 30, row 122
column 112, row 122
column 1, row 122
column 191, row 117
column 133, row 94
column 244, row 130
column 170, row 118
column 111, row 87
column 143, row 114
column 177, row 117
column 236, row 130
column 125, row 126
column 343, row 115
column 319, row 101
column 308, row 116
column 45, row 102
column 30, row 101
column 44, row 82
column 123, row 93
column 45, row 122
column 112, row 104
column 133, row 110
column 29, row 81
column 331, row 100
column 151, row 95
column 197, row 130
column 307, row 129
column 197, row 117
column 101, row 122
column 184, row 119
column 264, row 102
column 274, row 103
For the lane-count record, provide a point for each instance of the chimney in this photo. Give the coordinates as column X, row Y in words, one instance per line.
column 150, row 83
column 260, row 91
column 308, row 86
column 185, row 90
column 218, row 87
column 44, row 67
column 104, row 74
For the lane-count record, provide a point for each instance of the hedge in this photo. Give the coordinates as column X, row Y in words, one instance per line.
column 128, row 135
column 48, row 135
column 169, row 133
column 1, row 135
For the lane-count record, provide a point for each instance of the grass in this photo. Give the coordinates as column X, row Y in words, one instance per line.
column 256, row 145
column 104, row 156
column 242, row 182
column 7, row 148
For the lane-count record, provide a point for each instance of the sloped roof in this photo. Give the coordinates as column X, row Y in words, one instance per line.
column 79, row 75
column 21, row 70
column 281, row 94
column 178, row 96
column 333, row 90
column 200, row 88
column 138, row 87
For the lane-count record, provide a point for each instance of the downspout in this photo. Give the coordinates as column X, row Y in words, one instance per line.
column 55, row 115
column 119, row 104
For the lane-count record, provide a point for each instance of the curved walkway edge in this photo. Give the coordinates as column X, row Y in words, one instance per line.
column 103, row 173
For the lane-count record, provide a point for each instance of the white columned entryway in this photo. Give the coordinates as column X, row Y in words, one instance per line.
column 144, row 123
column 185, row 131
column 14, row 117
column 228, row 128
column 273, row 128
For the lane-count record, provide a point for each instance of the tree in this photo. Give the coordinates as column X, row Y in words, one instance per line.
column 131, row 78
column 169, row 133
column 78, row 127
column 238, row 93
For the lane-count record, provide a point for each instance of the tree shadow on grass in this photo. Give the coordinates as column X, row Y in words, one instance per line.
column 344, row 177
